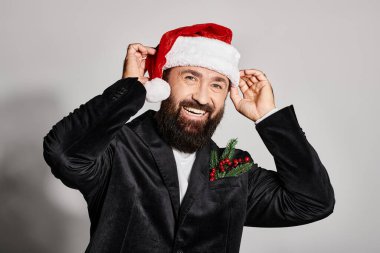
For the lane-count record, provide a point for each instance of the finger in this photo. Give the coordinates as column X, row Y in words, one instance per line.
column 243, row 85
column 253, row 79
column 140, row 48
column 235, row 96
column 248, row 93
column 151, row 50
column 252, row 71
column 248, row 81
column 249, row 89
column 134, row 47
column 257, row 73
column 250, row 76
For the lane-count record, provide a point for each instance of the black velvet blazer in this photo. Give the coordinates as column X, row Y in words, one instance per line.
column 128, row 176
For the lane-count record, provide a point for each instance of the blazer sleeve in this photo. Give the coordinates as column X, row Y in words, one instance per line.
column 300, row 191
column 79, row 147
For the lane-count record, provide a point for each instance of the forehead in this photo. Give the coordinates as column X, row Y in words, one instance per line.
column 204, row 72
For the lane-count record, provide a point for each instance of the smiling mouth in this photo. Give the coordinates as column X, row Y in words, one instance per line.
column 193, row 111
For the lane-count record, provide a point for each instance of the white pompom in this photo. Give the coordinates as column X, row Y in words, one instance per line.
column 157, row 90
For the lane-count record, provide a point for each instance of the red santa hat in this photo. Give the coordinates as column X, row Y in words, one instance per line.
column 202, row 45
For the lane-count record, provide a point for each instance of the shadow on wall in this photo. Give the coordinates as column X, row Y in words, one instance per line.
column 37, row 212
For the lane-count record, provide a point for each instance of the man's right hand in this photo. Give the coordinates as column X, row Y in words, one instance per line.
column 134, row 63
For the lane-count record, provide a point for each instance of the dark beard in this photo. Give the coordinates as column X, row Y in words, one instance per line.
column 186, row 135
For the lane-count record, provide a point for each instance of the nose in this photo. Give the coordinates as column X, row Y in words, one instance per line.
column 201, row 95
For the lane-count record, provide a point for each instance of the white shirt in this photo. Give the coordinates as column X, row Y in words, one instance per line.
column 185, row 161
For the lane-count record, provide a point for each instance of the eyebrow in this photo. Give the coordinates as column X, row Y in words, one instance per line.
column 199, row 75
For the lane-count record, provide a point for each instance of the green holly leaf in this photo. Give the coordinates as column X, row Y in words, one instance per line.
column 242, row 168
column 214, row 160
column 229, row 150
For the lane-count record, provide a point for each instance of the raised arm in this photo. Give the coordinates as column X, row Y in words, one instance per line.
column 79, row 148
column 300, row 191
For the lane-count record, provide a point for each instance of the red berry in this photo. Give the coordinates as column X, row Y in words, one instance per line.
column 221, row 169
column 226, row 160
column 213, row 169
column 240, row 160
column 212, row 179
column 246, row 159
column 236, row 160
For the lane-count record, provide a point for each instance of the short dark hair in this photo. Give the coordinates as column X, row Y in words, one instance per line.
column 165, row 74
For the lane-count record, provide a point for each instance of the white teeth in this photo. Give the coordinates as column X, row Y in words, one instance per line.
column 194, row 111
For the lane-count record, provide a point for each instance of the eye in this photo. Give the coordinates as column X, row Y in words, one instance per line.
column 216, row 85
column 192, row 78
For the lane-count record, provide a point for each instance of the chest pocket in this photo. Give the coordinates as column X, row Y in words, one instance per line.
column 227, row 190
column 225, row 182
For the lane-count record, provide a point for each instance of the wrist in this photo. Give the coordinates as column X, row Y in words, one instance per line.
column 265, row 115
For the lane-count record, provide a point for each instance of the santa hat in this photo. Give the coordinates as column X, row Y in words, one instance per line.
column 202, row 45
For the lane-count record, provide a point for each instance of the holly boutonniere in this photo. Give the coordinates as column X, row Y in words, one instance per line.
column 226, row 165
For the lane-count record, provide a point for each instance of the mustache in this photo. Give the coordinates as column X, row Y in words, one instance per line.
column 196, row 105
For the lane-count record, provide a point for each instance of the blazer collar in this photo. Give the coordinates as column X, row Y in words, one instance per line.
column 145, row 127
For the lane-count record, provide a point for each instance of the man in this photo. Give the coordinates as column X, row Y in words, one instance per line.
column 159, row 183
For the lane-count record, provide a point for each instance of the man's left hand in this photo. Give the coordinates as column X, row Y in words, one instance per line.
column 258, row 98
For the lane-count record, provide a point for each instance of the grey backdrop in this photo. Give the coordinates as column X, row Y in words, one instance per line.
column 321, row 56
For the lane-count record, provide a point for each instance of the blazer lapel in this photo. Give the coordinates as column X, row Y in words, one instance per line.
column 198, row 179
column 162, row 154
